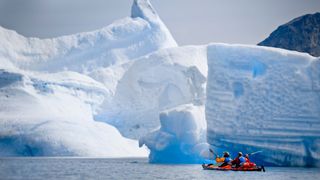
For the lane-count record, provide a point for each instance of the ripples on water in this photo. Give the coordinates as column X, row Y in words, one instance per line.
column 102, row 168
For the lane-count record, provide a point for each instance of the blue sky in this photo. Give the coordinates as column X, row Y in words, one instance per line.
column 190, row 21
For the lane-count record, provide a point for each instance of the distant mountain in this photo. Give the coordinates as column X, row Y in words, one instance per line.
column 301, row 34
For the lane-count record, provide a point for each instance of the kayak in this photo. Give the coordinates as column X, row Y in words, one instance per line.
column 230, row 168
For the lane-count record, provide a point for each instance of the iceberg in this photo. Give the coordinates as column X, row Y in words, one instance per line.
column 181, row 137
column 264, row 99
column 156, row 82
column 257, row 98
column 52, row 115
column 52, row 90
column 97, row 93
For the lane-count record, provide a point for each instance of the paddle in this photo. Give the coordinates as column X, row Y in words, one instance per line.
column 213, row 152
column 256, row 152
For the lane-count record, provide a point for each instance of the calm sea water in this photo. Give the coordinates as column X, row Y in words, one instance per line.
column 100, row 168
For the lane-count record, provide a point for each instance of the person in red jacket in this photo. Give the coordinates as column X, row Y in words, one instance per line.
column 247, row 158
column 238, row 160
column 247, row 163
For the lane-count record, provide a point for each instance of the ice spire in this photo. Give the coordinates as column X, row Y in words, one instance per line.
column 143, row 9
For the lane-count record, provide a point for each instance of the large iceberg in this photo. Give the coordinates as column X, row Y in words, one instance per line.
column 53, row 90
column 67, row 96
column 257, row 98
column 264, row 99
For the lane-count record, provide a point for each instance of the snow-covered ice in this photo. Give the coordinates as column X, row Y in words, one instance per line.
column 52, row 89
column 156, row 82
column 264, row 99
column 99, row 54
column 52, row 115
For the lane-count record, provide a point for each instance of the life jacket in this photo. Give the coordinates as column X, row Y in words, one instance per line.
column 227, row 159
column 220, row 159
column 242, row 159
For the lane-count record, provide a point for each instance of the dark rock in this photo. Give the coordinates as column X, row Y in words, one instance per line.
column 301, row 34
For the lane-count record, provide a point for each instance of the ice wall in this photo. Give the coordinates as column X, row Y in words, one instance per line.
column 264, row 99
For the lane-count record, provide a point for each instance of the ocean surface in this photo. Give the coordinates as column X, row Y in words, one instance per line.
column 104, row 168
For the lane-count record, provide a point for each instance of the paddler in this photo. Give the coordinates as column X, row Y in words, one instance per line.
column 247, row 163
column 247, row 158
column 238, row 160
column 227, row 159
